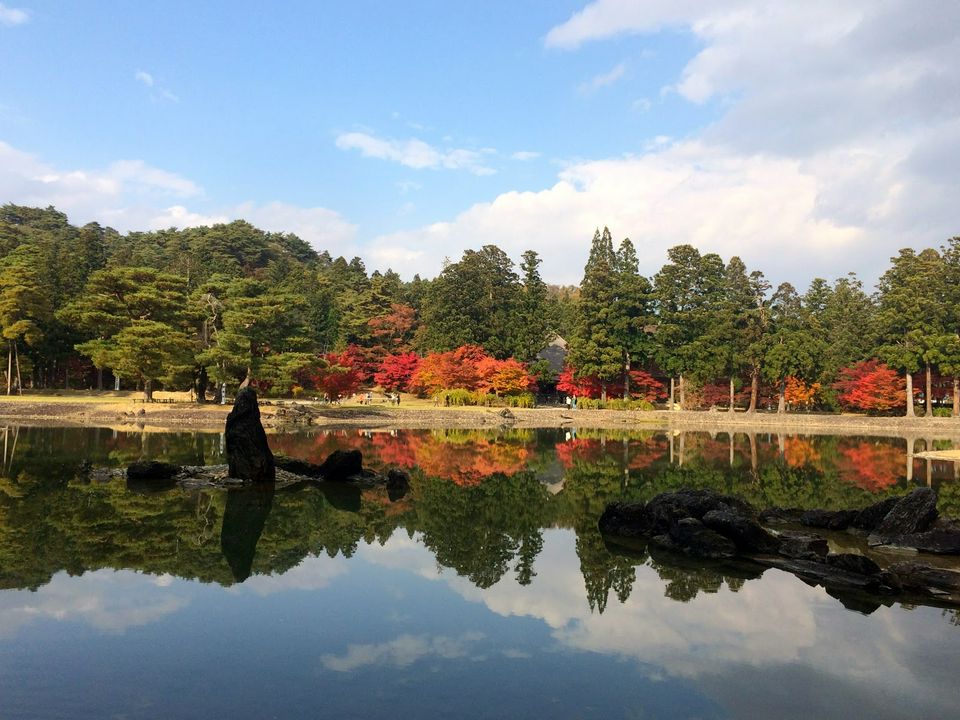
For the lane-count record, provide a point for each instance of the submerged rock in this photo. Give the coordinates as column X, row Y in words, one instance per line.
column 248, row 454
column 151, row 476
column 342, row 465
column 398, row 484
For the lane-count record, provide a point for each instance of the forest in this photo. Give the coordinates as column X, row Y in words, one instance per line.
column 207, row 308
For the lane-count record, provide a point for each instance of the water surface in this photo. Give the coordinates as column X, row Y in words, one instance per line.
column 485, row 592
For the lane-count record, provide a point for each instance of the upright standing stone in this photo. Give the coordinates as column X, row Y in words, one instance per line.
column 248, row 454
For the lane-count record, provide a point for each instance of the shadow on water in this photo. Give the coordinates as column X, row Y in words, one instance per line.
column 244, row 518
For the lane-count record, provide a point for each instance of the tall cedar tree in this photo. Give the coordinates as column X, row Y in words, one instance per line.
column 912, row 316
column 595, row 348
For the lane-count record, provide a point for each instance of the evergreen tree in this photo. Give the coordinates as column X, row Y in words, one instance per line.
column 595, row 349
column 532, row 323
column 23, row 304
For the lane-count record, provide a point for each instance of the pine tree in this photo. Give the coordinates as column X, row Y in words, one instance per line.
column 23, row 303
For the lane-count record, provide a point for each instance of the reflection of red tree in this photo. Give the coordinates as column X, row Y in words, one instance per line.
column 582, row 449
column 471, row 462
column 640, row 453
column 800, row 452
column 871, row 466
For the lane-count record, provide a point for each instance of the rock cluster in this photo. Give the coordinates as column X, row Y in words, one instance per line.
column 705, row 524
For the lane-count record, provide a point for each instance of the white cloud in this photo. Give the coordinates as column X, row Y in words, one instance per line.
column 158, row 93
column 681, row 193
column 132, row 195
column 604, row 79
column 144, row 78
column 415, row 153
column 525, row 155
column 402, row 651
column 13, row 16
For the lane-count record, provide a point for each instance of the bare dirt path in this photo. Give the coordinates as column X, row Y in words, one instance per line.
column 175, row 412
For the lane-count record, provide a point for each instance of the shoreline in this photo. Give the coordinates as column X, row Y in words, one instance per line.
column 126, row 413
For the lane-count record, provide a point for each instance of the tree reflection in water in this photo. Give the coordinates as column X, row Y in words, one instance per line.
column 479, row 501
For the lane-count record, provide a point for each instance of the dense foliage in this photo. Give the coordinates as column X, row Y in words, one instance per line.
column 208, row 308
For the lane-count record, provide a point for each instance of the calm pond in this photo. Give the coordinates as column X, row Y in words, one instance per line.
column 485, row 592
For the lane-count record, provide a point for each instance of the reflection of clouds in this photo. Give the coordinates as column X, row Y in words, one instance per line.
column 105, row 599
column 401, row 651
column 312, row 573
column 774, row 627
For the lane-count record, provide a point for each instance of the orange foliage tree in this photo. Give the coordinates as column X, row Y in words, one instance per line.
column 469, row 368
column 798, row 394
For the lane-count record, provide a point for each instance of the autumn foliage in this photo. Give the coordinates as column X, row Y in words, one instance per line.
column 797, row 393
column 470, row 368
column 396, row 371
column 871, row 386
column 643, row 386
column 338, row 375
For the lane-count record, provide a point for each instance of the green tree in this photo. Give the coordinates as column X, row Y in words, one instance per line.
column 595, row 348
column 688, row 291
column 473, row 302
column 911, row 315
column 23, row 303
column 793, row 347
column 532, row 323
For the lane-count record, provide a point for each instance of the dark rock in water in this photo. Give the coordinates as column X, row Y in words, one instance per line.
column 342, row 465
column 696, row 539
column 398, row 484
column 871, row 516
column 913, row 514
column 626, row 519
column 828, row 519
column 778, row 515
column 151, row 470
column 297, row 466
column 668, row 508
column 803, row 546
column 342, row 496
column 148, row 476
column 243, row 521
column 941, row 539
column 919, row 576
column 746, row 534
column 851, row 562
column 248, row 454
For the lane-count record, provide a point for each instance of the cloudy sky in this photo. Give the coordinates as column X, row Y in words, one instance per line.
column 810, row 138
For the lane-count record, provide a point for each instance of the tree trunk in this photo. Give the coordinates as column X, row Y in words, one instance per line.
column 910, row 395
column 201, row 385
column 730, row 438
column 626, row 376
column 928, row 394
column 683, row 399
column 754, row 389
column 116, row 383
column 731, row 393
column 603, row 392
column 782, row 397
column 753, row 454
column 148, row 391
column 672, row 401
column 99, row 378
column 956, row 400
column 16, row 357
column 66, row 377
column 9, row 365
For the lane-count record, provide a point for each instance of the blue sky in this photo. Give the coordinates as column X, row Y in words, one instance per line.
column 807, row 137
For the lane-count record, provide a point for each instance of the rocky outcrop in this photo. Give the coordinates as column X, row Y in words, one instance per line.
column 707, row 525
column 151, row 476
column 248, row 454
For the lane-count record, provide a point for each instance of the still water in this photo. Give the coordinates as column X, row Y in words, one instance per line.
column 485, row 592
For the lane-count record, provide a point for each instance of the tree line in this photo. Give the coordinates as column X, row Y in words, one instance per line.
column 208, row 308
